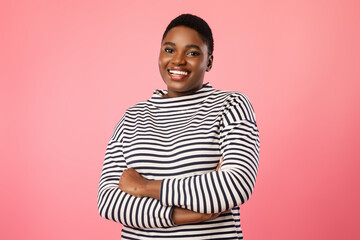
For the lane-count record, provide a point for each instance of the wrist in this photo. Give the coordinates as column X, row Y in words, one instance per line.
column 144, row 189
column 151, row 188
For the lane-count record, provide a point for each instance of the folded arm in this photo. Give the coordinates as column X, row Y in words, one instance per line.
column 136, row 211
column 119, row 206
column 221, row 190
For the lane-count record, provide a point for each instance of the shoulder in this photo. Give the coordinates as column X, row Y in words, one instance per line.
column 236, row 104
column 128, row 118
column 137, row 107
column 232, row 97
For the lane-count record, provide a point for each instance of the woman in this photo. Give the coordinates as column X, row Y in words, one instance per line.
column 160, row 176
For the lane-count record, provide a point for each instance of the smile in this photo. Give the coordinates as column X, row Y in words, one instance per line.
column 177, row 72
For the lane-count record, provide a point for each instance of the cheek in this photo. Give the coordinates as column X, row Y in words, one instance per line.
column 199, row 65
column 162, row 67
column 163, row 61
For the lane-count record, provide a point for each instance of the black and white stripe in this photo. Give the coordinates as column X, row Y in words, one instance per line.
column 180, row 140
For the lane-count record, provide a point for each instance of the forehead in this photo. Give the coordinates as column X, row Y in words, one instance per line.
column 182, row 35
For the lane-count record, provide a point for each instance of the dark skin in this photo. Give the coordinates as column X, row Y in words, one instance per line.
column 183, row 49
column 183, row 61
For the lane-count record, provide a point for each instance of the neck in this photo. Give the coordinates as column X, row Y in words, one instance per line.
column 171, row 94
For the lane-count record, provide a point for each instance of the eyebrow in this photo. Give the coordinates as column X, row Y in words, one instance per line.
column 187, row 46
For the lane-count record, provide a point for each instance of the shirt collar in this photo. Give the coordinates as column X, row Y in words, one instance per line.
column 182, row 102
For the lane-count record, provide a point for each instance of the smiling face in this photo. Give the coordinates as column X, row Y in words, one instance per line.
column 183, row 61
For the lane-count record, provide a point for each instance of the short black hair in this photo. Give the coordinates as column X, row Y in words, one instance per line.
column 196, row 23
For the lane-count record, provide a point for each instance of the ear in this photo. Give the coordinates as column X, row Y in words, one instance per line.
column 210, row 62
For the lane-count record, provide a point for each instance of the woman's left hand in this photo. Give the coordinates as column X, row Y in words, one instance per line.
column 132, row 182
column 219, row 164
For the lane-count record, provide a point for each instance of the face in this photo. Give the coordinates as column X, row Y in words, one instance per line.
column 183, row 61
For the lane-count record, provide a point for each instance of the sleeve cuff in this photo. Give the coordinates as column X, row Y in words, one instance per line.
column 172, row 224
column 163, row 192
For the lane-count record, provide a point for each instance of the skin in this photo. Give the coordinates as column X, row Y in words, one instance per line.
column 182, row 49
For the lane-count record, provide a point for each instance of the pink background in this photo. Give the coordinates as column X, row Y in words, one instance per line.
column 69, row 69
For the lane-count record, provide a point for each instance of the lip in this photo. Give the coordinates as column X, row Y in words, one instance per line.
column 178, row 77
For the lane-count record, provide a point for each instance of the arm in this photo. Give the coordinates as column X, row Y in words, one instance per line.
column 218, row 191
column 231, row 186
column 121, row 207
column 135, row 184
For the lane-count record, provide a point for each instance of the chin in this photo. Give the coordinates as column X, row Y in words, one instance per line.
column 177, row 86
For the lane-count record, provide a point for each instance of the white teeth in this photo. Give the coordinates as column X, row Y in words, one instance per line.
column 178, row 72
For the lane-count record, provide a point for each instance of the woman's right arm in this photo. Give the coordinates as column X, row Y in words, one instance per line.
column 145, row 212
column 121, row 207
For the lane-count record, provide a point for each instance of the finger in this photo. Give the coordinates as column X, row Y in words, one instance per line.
column 219, row 164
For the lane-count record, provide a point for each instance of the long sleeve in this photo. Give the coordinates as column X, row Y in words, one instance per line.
column 119, row 206
column 231, row 186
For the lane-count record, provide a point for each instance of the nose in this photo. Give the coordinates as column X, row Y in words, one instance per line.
column 179, row 59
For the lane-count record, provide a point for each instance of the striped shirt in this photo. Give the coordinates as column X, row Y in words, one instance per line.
column 180, row 141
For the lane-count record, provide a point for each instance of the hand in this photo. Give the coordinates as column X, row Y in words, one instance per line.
column 208, row 216
column 219, row 164
column 184, row 216
column 132, row 182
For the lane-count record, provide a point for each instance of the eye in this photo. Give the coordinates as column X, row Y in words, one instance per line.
column 169, row 50
column 193, row 54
